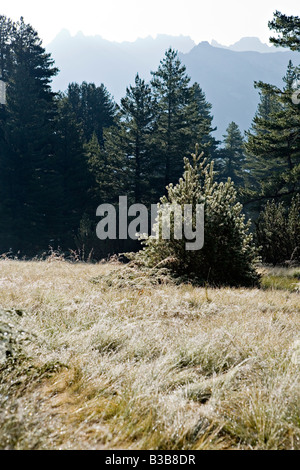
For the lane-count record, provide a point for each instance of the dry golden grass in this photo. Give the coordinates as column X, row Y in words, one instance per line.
column 100, row 364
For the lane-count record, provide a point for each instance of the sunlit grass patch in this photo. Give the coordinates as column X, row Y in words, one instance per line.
column 158, row 366
column 281, row 278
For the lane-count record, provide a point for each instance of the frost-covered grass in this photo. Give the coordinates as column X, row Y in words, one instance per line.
column 104, row 360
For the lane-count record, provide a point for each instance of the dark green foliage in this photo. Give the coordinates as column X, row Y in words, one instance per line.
column 228, row 255
column 183, row 116
column 107, row 180
column 278, row 232
column 130, row 144
column 45, row 182
column 72, row 173
column 273, row 143
column 289, row 29
column 107, row 170
column 28, row 175
column 137, row 114
column 170, row 84
column 93, row 107
column 200, row 123
column 232, row 156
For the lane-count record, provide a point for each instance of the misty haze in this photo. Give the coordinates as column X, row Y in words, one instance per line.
column 227, row 76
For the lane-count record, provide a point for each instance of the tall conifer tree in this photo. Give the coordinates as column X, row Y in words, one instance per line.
column 28, row 166
column 137, row 114
column 273, row 143
column 170, row 84
column 94, row 108
column 183, row 117
column 72, row 172
column 232, row 155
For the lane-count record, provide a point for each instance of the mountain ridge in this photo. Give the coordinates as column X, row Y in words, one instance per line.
column 226, row 76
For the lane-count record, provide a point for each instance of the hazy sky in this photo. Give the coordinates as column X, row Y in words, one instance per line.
column 125, row 20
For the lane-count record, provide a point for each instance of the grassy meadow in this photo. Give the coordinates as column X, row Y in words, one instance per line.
column 101, row 356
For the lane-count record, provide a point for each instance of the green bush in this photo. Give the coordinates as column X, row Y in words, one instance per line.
column 228, row 256
column 278, row 232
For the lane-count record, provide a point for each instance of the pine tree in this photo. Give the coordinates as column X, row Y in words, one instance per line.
column 200, row 122
column 109, row 178
column 98, row 183
column 93, row 107
column 183, row 117
column 72, row 173
column 273, row 143
column 28, row 166
column 108, row 170
column 268, row 104
column 228, row 255
column 289, row 28
column 7, row 29
column 232, row 155
column 137, row 113
column 6, row 33
column 255, row 169
column 271, row 233
column 170, row 84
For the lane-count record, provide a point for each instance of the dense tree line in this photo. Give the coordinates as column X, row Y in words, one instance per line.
column 63, row 154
